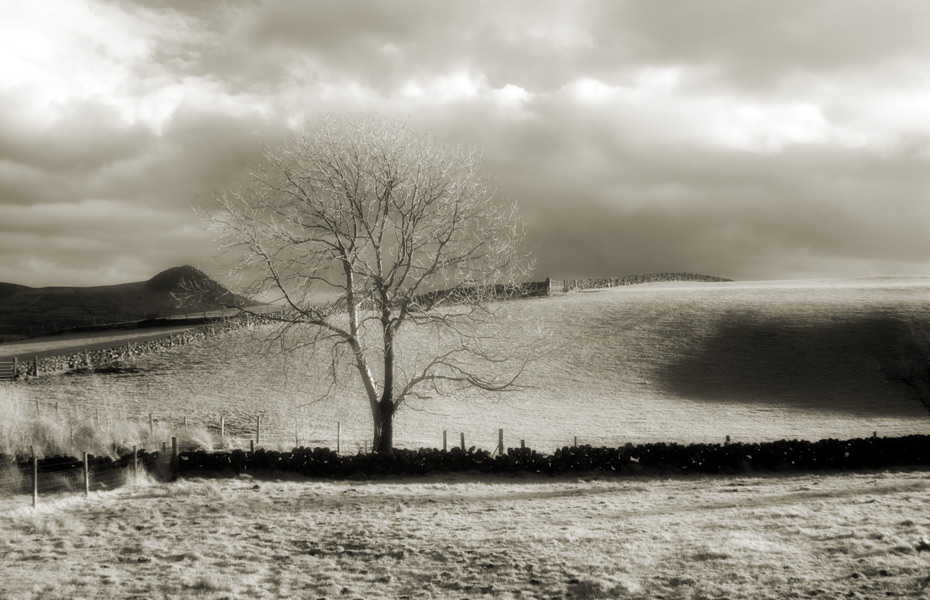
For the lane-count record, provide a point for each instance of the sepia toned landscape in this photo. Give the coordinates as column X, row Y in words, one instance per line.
column 771, row 370
column 461, row 300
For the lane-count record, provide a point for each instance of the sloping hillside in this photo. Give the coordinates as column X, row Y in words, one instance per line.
column 30, row 311
column 675, row 361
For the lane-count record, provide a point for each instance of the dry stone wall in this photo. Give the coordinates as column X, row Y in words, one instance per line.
column 569, row 285
column 103, row 358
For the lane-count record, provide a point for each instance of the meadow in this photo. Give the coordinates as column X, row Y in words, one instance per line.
column 685, row 362
column 800, row 536
column 670, row 362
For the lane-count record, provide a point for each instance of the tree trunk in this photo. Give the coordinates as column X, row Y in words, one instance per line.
column 384, row 442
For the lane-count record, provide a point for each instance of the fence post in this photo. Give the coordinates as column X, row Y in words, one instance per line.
column 223, row 431
column 164, row 462
column 35, row 477
column 522, row 444
column 86, row 476
column 463, row 440
column 185, row 423
column 338, row 435
column 252, row 446
column 500, row 442
column 258, row 430
column 15, row 367
column 576, row 441
column 174, row 456
column 444, row 439
column 35, row 366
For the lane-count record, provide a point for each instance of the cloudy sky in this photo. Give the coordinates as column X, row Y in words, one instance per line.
column 751, row 140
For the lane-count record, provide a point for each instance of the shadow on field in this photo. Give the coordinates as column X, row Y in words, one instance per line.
column 845, row 363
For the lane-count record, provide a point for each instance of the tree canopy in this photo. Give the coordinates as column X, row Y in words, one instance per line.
column 359, row 227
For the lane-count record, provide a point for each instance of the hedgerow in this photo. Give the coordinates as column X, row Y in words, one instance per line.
column 641, row 459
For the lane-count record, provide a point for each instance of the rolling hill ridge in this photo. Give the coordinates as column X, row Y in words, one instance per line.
column 27, row 311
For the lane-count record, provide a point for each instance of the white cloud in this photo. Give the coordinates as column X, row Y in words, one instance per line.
column 592, row 91
column 457, row 86
column 511, row 98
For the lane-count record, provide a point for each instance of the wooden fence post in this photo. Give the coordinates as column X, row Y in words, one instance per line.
column 500, row 442
column 35, row 366
column 86, row 476
column 576, row 441
column 258, row 430
column 522, row 444
column 252, row 446
column 463, row 440
column 444, row 439
column 223, row 431
column 174, row 456
column 185, row 422
column 35, row 477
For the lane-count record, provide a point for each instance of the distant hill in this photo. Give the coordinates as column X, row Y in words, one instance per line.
column 26, row 311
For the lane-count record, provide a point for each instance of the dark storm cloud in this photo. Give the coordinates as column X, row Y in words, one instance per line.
column 741, row 217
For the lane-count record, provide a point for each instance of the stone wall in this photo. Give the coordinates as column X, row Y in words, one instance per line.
column 104, row 357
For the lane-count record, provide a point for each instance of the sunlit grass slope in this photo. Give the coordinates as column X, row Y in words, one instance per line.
column 655, row 362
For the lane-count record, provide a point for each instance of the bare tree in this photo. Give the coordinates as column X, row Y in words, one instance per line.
column 360, row 227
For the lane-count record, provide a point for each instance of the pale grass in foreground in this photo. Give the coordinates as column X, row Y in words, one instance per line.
column 24, row 430
column 824, row 536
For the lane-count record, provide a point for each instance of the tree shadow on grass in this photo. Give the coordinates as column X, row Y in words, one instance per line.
column 835, row 363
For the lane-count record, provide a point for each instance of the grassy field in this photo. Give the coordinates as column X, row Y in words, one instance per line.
column 829, row 536
column 682, row 362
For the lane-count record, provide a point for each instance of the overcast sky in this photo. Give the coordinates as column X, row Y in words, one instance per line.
column 750, row 140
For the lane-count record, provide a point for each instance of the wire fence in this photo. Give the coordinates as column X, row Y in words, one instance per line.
column 25, row 481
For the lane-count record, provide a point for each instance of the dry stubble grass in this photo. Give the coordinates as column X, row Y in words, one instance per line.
column 464, row 537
